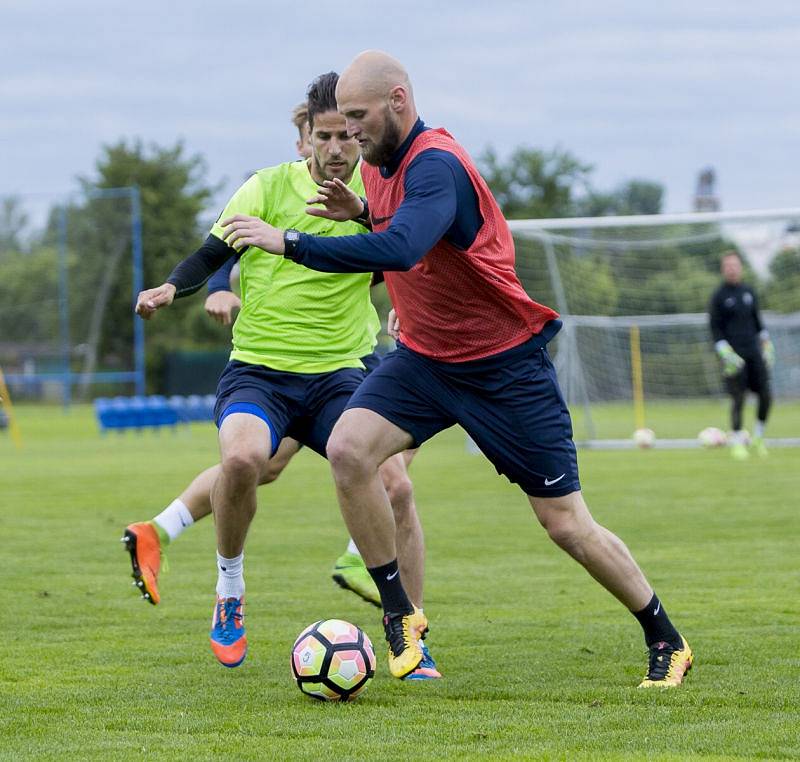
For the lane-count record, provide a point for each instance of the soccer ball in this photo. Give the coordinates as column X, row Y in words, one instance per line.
column 712, row 437
column 332, row 660
column 644, row 438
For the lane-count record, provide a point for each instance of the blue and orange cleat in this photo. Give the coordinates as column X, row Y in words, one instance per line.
column 668, row 665
column 228, row 640
column 426, row 670
column 142, row 542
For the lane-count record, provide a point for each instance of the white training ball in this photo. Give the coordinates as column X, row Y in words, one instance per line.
column 712, row 437
column 644, row 438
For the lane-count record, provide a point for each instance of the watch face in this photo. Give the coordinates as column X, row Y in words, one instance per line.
column 292, row 235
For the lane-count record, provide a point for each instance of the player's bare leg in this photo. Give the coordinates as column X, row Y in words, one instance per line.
column 197, row 496
column 570, row 525
column 409, row 537
column 361, row 441
column 245, row 445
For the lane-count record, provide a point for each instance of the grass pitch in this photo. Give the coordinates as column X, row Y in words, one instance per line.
column 539, row 662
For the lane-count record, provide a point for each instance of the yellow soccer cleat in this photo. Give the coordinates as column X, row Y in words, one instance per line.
column 668, row 665
column 405, row 653
column 142, row 542
column 759, row 448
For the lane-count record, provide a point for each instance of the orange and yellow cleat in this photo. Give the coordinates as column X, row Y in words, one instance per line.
column 402, row 633
column 668, row 665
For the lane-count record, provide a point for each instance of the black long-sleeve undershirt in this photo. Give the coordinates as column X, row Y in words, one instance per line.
column 190, row 275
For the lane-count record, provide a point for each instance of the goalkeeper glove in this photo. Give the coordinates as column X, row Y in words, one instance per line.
column 768, row 353
column 731, row 362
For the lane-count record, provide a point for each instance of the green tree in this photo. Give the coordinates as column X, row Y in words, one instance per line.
column 782, row 292
column 632, row 197
column 174, row 192
column 13, row 221
column 534, row 183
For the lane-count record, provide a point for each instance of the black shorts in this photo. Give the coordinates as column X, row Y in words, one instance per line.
column 753, row 376
column 509, row 403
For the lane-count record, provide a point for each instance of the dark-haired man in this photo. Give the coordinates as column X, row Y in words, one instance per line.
column 146, row 540
column 744, row 349
column 298, row 349
column 472, row 351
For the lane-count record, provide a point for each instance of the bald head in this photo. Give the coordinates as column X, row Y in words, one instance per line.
column 375, row 96
column 375, row 73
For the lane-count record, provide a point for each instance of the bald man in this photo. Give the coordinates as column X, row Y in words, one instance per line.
column 472, row 351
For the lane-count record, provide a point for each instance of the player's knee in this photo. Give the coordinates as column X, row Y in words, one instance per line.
column 273, row 468
column 346, row 454
column 566, row 521
column 400, row 491
column 242, row 466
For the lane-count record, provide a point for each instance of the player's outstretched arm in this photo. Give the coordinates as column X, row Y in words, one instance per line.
column 338, row 202
column 241, row 231
column 153, row 299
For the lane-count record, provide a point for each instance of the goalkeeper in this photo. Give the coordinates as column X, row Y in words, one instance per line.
column 745, row 349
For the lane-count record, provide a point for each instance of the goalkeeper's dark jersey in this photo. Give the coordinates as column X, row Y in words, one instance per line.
column 735, row 317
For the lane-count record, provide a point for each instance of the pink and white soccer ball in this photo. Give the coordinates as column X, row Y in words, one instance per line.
column 644, row 438
column 712, row 437
column 332, row 660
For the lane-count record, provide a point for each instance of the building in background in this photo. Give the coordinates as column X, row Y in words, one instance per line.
column 705, row 195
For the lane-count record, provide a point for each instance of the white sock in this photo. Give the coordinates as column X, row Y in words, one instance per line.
column 351, row 548
column 230, row 577
column 758, row 429
column 737, row 437
column 174, row 518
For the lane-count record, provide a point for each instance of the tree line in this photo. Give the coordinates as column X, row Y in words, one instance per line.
column 175, row 196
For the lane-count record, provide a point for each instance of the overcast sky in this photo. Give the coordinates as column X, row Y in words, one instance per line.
column 647, row 90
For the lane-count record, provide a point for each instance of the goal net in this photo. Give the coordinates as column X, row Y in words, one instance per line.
column 633, row 294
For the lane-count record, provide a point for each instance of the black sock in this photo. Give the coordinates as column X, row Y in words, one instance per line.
column 393, row 596
column 656, row 625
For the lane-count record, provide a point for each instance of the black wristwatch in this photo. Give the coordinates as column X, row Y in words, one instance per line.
column 291, row 239
column 363, row 218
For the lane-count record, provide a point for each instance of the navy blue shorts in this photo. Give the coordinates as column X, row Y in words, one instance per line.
column 509, row 403
column 304, row 406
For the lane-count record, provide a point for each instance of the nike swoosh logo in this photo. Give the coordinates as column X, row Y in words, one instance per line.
column 658, row 608
column 548, row 482
column 390, row 577
column 380, row 220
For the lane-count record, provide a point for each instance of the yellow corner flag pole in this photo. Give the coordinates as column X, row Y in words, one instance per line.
column 636, row 378
column 5, row 401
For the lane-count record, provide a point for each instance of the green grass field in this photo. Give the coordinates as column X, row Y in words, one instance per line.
column 539, row 662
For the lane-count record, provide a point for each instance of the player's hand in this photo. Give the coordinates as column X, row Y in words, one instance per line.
column 393, row 325
column 731, row 362
column 241, row 231
column 339, row 202
column 768, row 353
column 221, row 305
column 154, row 299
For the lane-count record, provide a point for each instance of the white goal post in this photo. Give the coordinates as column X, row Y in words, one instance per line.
column 640, row 285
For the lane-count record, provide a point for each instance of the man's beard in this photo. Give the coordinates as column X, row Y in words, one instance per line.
column 378, row 154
